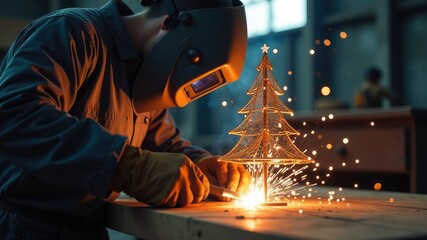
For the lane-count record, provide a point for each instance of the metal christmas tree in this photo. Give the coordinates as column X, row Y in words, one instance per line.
column 265, row 133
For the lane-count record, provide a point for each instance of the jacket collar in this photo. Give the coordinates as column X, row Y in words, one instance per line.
column 112, row 12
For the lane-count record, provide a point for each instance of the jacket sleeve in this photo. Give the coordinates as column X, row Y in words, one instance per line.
column 164, row 136
column 39, row 81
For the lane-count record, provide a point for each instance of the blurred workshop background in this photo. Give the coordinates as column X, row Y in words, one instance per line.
column 324, row 51
column 321, row 51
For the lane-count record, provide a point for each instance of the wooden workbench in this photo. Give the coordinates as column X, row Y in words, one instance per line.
column 362, row 214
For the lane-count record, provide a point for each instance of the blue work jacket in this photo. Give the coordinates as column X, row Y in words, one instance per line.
column 66, row 112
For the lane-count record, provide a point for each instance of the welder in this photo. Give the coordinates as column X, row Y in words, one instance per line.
column 84, row 95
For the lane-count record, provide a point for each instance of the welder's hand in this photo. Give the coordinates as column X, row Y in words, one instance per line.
column 232, row 176
column 159, row 179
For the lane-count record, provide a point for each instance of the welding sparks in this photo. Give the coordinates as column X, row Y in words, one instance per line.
column 377, row 186
column 327, row 42
column 283, row 184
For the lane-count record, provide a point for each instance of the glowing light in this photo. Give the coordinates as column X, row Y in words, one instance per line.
column 377, row 186
column 329, row 146
column 343, row 164
column 331, row 168
column 304, row 123
column 331, row 116
column 300, row 211
column 325, row 91
column 284, row 182
column 356, row 185
column 290, row 72
column 312, row 52
column 285, row 88
column 323, row 119
column 251, row 200
column 312, row 132
column 345, row 140
column 314, row 152
column 343, row 35
column 275, row 51
column 289, row 99
column 224, row 103
column 391, row 200
column 372, row 124
column 357, row 161
column 327, row 42
column 340, row 189
column 317, row 164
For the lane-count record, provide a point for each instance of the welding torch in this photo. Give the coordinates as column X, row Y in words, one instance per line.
column 223, row 192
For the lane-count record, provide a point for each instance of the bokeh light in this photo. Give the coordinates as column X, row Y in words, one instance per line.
column 327, row 42
column 325, row 91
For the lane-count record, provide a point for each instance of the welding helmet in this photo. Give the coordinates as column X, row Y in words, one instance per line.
column 203, row 50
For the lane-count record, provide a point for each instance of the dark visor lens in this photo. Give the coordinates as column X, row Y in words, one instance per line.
column 205, row 83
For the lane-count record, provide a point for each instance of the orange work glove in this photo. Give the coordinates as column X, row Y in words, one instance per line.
column 159, row 179
column 232, row 176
